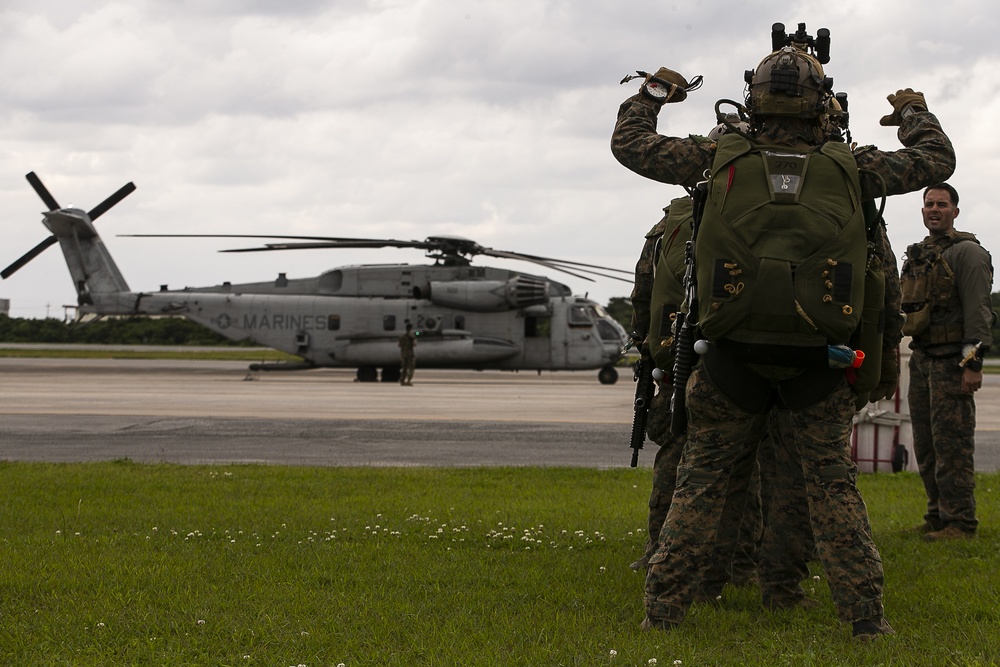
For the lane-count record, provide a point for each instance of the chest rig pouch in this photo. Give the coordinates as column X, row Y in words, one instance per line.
column 926, row 281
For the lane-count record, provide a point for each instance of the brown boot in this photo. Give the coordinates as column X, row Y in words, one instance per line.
column 951, row 532
column 658, row 624
column 871, row 628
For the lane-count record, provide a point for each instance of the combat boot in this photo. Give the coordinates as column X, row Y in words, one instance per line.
column 789, row 604
column 870, row 628
column 659, row 624
column 951, row 532
column 927, row 527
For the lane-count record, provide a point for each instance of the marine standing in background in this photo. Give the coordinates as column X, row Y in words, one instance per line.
column 407, row 356
column 946, row 282
column 788, row 94
column 736, row 552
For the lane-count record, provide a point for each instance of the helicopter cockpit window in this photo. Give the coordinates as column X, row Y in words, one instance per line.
column 333, row 322
column 389, row 322
column 607, row 332
column 579, row 317
column 598, row 313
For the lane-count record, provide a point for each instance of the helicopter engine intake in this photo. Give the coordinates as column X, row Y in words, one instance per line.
column 486, row 296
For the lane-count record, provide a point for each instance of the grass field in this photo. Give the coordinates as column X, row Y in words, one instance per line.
column 127, row 564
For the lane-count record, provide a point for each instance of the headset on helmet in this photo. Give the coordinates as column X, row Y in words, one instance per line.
column 729, row 123
column 789, row 82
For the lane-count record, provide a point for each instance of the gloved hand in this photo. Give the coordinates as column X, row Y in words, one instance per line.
column 888, row 378
column 899, row 101
column 680, row 85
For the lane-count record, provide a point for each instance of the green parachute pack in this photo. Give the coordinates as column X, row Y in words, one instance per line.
column 668, row 281
column 782, row 259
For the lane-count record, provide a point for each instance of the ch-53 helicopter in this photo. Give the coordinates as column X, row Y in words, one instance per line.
column 466, row 316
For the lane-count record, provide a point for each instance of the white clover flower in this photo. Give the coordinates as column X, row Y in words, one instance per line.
column 651, row 661
column 678, row 662
column 201, row 621
column 613, row 653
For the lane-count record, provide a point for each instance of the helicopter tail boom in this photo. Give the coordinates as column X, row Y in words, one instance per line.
column 93, row 270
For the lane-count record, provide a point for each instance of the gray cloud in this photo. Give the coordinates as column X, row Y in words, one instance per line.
column 408, row 118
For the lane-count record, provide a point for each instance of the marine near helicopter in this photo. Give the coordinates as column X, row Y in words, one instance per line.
column 466, row 316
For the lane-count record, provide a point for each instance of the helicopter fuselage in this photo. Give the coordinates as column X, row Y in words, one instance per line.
column 464, row 317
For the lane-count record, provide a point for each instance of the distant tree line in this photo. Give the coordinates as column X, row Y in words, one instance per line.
column 111, row 331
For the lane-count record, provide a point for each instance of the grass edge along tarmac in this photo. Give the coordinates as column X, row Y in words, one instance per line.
column 128, row 564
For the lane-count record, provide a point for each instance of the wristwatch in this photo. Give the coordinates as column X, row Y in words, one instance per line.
column 909, row 110
column 657, row 89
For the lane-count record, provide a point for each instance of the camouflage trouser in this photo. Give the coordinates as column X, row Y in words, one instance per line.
column 720, row 439
column 944, row 428
column 740, row 534
column 407, row 364
column 787, row 545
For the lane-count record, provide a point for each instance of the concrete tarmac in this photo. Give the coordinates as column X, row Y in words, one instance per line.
column 190, row 412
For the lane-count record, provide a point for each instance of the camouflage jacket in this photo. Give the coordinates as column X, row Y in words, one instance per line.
column 927, row 159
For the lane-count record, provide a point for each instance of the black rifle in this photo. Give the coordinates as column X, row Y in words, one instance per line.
column 686, row 322
column 643, row 397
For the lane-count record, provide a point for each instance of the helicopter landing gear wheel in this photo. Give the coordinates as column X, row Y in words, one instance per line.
column 367, row 374
column 607, row 375
column 390, row 374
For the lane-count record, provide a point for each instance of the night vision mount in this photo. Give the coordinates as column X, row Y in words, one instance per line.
column 819, row 46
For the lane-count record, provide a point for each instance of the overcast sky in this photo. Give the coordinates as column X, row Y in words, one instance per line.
column 488, row 119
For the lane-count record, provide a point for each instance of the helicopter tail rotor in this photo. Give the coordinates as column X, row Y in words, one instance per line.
column 53, row 206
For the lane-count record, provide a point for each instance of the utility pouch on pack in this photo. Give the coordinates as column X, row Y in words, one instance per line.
column 868, row 337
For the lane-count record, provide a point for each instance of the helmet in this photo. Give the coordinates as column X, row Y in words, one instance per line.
column 788, row 82
column 727, row 124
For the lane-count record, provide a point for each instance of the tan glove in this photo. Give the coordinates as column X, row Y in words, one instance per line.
column 899, row 101
column 679, row 85
column 888, row 378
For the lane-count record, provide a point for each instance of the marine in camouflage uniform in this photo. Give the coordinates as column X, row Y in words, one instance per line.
column 947, row 279
column 818, row 433
column 741, row 533
column 788, row 544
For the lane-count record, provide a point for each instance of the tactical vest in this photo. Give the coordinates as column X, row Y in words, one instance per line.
column 782, row 252
column 927, row 281
column 668, row 281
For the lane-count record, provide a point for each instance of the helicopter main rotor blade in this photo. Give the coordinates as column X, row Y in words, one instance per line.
column 104, row 206
column 333, row 239
column 327, row 244
column 27, row 257
column 320, row 241
column 538, row 258
column 42, row 191
column 564, row 266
